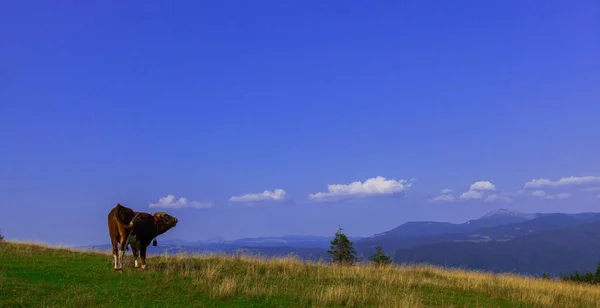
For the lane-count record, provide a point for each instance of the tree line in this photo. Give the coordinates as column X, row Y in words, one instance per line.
column 583, row 277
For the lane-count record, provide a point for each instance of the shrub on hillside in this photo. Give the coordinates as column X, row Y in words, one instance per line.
column 341, row 249
column 380, row 258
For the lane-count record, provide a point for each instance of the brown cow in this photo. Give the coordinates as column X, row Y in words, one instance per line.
column 144, row 228
column 119, row 220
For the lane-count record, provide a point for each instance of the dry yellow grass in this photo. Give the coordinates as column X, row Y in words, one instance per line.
column 290, row 282
column 389, row 286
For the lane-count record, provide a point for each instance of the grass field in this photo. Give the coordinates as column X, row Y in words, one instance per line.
column 39, row 276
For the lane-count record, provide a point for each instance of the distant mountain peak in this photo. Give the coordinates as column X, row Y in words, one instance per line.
column 505, row 213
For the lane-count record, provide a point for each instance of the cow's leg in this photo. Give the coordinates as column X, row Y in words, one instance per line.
column 135, row 256
column 122, row 251
column 114, row 251
column 143, row 255
column 121, row 257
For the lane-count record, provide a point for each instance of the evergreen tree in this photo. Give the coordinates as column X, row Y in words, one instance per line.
column 588, row 277
column 577, row 276
column 597, row 273
column 380, row 258
column 1, row 236
column 341, row 249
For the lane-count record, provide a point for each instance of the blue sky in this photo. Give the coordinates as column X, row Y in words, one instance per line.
column 107, row 102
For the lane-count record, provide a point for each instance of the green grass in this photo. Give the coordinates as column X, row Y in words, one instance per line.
column 38, row 276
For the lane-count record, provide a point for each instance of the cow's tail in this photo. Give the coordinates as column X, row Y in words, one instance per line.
column 131, row 227
column 134, row 221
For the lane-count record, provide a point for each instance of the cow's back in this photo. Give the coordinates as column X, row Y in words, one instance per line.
column 118, row 218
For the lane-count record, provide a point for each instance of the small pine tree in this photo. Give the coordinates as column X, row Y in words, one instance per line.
column 597, row 273
column 341, row 249
column 577, row 276
column 380, row 258
column 1, row 236
column 545, row 276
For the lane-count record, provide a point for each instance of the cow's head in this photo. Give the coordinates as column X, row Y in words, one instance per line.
column 164, row 222
column 124, row 214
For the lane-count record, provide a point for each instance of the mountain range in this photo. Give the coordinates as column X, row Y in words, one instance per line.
column 500, row 241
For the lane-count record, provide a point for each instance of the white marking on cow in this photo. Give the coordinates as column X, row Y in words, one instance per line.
column 134, row 242
column 144, row 266
column 136, row 263
column 116, row 260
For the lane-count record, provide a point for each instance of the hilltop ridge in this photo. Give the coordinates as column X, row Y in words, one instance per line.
column 34, row 275
column 502, row 212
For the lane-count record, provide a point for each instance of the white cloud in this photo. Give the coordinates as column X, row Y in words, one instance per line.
column 482, row 185
column 477, row 189
column 170, row 202
column 371, row 187
column 471, row 194
column 537, row 183
column 267, row 195
column 542, row 194
column 445, row 197
column 497, row 197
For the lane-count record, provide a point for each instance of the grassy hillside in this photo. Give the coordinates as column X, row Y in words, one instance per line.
column 34, row 276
